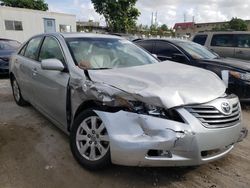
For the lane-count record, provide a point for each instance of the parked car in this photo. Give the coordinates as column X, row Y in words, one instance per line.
column 7, row 47
column 125, row 36
column 233, row 44
column 121, row 105
column 235, row 73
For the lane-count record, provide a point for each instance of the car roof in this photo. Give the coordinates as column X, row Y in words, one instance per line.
column 79, row 35
column 88, row 35
column 222, row 32
column 171, row 40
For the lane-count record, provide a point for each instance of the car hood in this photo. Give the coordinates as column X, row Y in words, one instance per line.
column 165, row 84
column 234, row 63
column 6, row 53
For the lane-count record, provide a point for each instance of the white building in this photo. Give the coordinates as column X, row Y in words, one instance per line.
column 21, row 24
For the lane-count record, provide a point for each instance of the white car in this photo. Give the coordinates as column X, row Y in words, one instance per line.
column 119, row 104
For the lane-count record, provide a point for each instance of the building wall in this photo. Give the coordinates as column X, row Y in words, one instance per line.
column 201, row 27
column 181, row 32
column 32, row 22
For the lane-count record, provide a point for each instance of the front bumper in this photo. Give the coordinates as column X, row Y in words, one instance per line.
column 4, row 67
column 132, row 136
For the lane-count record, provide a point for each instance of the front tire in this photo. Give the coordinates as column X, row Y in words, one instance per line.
column 89, row 141
column 17, row 93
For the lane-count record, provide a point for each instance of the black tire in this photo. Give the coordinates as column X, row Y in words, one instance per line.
column 101, row 163
column 15, row 88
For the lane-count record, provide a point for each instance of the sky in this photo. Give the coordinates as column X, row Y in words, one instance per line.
column 168, row 11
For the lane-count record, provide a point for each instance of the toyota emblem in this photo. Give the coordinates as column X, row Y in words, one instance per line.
column 225, row 106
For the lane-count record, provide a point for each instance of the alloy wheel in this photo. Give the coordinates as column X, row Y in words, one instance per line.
column 92, row 138
column 16, row 90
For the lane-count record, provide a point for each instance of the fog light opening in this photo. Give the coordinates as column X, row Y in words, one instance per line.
column 160, row 153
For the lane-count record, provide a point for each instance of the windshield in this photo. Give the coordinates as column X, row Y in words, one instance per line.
column 106, row 53
column 197, row 51
column 9, row 45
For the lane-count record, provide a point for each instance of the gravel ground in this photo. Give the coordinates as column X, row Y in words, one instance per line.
column 34, row 153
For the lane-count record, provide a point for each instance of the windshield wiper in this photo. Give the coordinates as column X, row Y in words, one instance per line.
column 105, row 68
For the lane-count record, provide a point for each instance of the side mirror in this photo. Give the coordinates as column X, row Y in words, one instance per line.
column 52, row 64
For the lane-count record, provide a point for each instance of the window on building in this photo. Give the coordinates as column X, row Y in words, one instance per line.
column 223, row 40
column 65, row 28
column 13, row 25
column 200, row 39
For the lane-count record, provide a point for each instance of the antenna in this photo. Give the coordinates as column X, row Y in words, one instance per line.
column 185, row 17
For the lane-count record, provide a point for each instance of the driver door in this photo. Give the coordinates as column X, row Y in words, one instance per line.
column 50, row 87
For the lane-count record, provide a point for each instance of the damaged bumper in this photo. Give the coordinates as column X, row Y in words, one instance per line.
column 142, row 140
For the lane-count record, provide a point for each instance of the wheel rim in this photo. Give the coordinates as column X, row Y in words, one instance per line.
column 92, row 139
column 16, row 90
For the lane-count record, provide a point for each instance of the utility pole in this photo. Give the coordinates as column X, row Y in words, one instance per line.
column 152, row 19
column 156, row 18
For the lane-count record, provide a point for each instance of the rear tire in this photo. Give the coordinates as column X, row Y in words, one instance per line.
column 17, row 93
column 89, row 141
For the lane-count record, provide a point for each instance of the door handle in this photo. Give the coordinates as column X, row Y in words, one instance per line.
column 239, row 52
column 34, row 71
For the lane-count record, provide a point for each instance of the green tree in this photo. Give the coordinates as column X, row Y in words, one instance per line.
column 237, row 24
column 234, row 24
column 30, row 4
column 120, row 15
column 164, row 27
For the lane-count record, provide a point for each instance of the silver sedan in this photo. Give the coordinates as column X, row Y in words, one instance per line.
column 121, row 105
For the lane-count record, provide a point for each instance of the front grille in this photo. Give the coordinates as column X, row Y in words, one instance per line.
column 211, row 117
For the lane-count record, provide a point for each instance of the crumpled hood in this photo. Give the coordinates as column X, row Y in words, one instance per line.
column 166, row 84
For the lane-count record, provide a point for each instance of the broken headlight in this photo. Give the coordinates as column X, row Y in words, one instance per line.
column 141, row 108
column 239, row 75
column 146, row 109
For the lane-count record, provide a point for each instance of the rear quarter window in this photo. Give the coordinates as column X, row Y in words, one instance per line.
column 243, row 41
column 147, row 45
column 200, row 39
column 223, row 40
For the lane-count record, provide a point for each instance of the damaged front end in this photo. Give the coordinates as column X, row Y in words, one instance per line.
column 180, row 140
column 146, row 129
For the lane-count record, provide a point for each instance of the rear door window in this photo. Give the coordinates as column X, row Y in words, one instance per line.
column 200, row 39
column 148, row 45
column 243, row 41
column 164, row 49
column 223, row 40
column 31, row 50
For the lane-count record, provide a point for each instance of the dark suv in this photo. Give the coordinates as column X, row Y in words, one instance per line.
column 235, row 73
column 7, row 47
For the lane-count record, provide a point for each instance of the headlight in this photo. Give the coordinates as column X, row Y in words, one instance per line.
column 239, row 75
